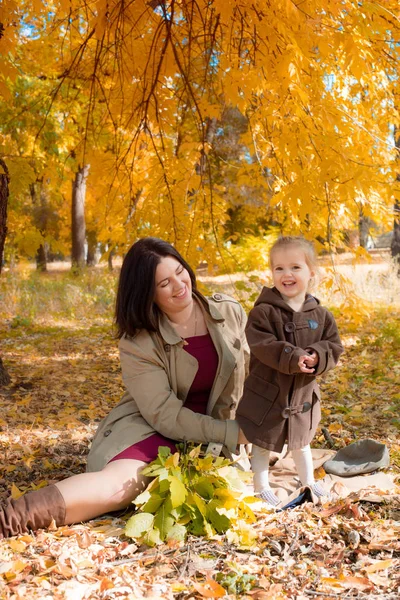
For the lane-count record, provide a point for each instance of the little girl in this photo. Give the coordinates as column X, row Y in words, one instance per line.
column 292, row 339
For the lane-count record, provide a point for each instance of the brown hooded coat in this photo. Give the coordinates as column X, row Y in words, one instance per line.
column 279, row 402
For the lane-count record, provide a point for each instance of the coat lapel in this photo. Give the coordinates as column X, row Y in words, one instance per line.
column 183, row 366
column 226, row 351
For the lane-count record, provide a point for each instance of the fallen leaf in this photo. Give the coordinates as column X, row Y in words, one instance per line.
column 210, row 589
column 380, row 565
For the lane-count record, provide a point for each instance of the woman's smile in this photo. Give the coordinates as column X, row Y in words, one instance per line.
column 173, row 286
column 181, row 293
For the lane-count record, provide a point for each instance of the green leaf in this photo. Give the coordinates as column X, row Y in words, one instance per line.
column 204, row 488
column 197, row 527
column 164, row 521
column 164, row 452
column 138, row 524
column 154, row 470
column 152, row 538
column 178, row 491
column 220, row 522
column 177, row 532
column 153, row 504
column 201, row 505
column 142, row 498
column 163, row 475
column 178, row 512
column 164, row 486
column 209, row 531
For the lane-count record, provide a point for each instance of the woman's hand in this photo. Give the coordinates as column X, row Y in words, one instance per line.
column 242, row 438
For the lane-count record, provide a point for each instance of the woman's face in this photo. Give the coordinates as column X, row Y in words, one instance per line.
column 173, row 286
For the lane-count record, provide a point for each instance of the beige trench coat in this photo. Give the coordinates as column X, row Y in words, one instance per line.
column 158, row 373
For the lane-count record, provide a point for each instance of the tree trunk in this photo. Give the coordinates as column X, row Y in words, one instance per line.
column 40, row 214
column 4, row 181
column 78, row 217
column 41, row 258
column 92, row 258
column 110, row 259
column 4, row 376
column 395, row 245
column 364, row 224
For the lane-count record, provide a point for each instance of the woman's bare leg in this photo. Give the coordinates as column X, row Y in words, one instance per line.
column 89, row 495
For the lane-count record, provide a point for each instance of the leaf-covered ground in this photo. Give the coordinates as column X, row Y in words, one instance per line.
column 65, row 377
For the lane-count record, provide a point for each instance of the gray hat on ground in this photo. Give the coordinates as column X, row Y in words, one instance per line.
column 364, row 456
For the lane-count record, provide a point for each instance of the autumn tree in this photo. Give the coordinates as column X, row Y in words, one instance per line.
column 395, row 245
column 4, row 181
column 314, row 82
column 78, row 216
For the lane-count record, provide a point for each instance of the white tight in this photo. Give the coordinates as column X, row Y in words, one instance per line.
column 260, row 466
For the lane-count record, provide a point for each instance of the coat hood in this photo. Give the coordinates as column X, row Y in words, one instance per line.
column 273, row 297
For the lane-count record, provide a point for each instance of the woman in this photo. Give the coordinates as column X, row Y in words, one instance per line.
column 183, row 361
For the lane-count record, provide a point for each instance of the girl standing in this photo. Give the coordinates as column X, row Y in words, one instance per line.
column 292, row 339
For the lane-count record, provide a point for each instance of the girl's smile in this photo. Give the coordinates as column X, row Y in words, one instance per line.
column 291, row 273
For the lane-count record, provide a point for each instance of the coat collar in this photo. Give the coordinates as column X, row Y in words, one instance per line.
column 168, row 332
column 273, row 297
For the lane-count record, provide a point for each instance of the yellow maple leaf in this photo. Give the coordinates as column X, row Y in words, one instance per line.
column 15, row 492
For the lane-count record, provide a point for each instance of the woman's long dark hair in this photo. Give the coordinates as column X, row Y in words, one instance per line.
column 135, row 308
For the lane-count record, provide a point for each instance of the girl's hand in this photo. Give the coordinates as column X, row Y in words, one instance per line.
column 304, row 365
column 311, row 358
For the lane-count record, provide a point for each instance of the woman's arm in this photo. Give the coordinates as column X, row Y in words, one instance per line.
column 147, row 382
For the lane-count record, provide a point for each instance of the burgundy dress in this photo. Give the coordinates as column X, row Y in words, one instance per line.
column 202, row 348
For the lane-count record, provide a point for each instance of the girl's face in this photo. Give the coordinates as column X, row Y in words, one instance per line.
column 291, row 273
column 173, row 286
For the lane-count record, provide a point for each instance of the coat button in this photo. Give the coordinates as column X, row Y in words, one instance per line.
column 290, row 327
column 167, row 348
column 288, row 349
column 107, row 433
column 217, row 297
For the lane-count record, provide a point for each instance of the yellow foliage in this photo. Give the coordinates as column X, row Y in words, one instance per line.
column 139, row 92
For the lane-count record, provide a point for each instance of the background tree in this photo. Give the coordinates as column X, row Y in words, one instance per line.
column 395, row 245
column 78, row 217
column 4, row 181
column 143, row 85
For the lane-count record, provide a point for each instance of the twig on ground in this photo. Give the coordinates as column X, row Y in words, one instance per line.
column 328, row 437
column 185, row 564
column 327, row 594
column 142, row 556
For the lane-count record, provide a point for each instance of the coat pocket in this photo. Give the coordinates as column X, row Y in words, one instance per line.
column 257, row 400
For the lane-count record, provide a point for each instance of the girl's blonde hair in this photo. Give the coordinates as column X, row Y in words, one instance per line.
column 305, row 245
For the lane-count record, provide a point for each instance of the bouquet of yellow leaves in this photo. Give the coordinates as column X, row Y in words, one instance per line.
column 196, row 495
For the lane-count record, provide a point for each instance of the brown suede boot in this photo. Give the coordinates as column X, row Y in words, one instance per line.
column 34, row 510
